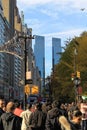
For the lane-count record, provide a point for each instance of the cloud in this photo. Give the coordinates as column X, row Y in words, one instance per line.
column 65, row 33
column 52, row 8
column 27, row 4
column 60, row 3
column 36, row 25
column 49, row 13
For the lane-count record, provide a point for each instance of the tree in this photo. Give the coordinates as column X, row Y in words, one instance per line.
column 72, row 59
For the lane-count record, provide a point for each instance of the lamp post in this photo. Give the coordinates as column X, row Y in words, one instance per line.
column 27, row 81
column 77, row 79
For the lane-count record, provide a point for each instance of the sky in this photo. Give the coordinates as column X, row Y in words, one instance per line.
column 63, row 19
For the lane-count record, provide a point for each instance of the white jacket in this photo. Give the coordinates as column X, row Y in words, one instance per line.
column 25, row 119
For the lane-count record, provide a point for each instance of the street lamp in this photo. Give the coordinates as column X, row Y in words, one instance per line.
column 77, row 79
column 27, row 81
column 77, row 82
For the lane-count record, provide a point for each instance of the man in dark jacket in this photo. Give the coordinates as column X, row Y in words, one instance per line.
column 1, row 106
column 9, row 121
column 52, row 117
column 37, row 118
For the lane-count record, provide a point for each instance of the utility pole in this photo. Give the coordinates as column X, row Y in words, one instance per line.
column 27, row 81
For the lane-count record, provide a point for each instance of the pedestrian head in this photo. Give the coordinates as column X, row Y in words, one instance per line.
column 2, row 103
column 55, row 104
column 38, row 106
column 17, row 104
column 10, row 107
column 29, row 106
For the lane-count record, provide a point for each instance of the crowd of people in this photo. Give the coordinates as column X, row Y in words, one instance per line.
column 51, row 115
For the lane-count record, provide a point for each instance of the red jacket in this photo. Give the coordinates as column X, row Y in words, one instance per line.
column 18, row 111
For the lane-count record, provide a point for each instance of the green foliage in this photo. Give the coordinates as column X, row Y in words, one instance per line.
column 73, row 59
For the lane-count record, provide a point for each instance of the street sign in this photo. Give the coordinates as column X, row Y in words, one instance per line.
column 29, row 81
column 28, row 75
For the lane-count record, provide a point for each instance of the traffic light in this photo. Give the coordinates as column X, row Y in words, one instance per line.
column 72, row 76
column 78, row 74
column 35, row 90
column 27, row 89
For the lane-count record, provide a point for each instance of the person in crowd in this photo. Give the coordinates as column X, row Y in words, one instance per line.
column 4, row 106
column 74, row 124
column 9, row 121
column 33, row 107
column 83, row 109
column 1, row 106
column 72, row 108
column 37, row 118
column 64, row 110
column 76, row 120
column 46, row 107
column 25, row 117
column 52, row 117
column 18, row 109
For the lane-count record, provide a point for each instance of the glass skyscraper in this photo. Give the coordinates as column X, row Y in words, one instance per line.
column 56, row 50
column 39, row 52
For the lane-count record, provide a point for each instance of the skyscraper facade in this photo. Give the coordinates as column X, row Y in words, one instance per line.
column 56, row 50
column 8, row 9
column 12, row 70
column 11, row 13
column 39, row 52
column 4, row 59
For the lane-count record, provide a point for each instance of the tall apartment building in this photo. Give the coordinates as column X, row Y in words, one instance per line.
column 56, row 50
column 8, row 7
column 4, row 59
column 15, row 65
column 39, row 52
column 11, row 13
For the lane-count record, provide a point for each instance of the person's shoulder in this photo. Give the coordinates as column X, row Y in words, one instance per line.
column 2, row 115
column 1, row 111
column 18, row 118
column 22, row 113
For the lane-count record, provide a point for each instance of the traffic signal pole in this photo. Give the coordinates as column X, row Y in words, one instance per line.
column 25, row 96
column 25, row 37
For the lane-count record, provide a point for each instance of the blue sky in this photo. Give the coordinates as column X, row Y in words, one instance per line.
column 54, row 18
